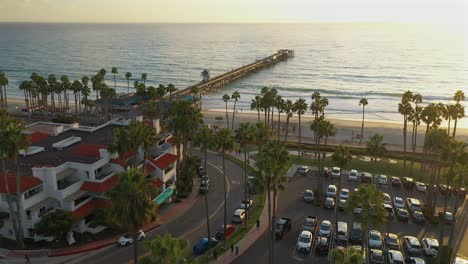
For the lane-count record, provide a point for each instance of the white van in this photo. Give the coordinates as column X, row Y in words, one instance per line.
column 342, row 232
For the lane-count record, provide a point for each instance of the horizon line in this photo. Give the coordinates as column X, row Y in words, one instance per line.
column 215, row 22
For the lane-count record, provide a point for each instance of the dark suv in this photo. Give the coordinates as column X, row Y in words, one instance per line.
column 356, row 233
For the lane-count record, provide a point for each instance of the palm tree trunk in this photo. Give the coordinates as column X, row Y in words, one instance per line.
column 13, row 216
column 448, row 126
column 135, row 247
column 455, row 127
column 300, row 137
column 5, row 98
column 225, row 194
column 362, row 126
column 245, row 181
column 258, row 114
column 206, row 199
column 233, row 114
column 412, row 148
column 287, row 128
column 19, row 206
column 278, row 126
column 227, row 117
column 449, row 178
column 270, row 231
column 405, row 128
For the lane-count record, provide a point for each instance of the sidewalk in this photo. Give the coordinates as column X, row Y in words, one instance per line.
column 165, row 215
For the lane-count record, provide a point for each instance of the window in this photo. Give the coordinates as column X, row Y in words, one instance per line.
column 32, row 192
column 30, row 232
column 28, row 214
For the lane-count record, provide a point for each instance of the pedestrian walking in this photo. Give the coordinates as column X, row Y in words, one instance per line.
column 215, row 255
column 232, row 248
column 237, row 250
column 27, row 259
column 258, row 223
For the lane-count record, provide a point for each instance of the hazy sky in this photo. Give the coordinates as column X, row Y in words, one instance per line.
column 433, row 11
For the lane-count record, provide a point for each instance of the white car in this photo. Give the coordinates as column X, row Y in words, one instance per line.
column 127, row 239
column 239, row 216
column 308, row 196
column 246, row 204
column 421, row 187
column 375, row 239
column 387, row 199
column 430, row 246
column 398, row 202
column 415, row 260
column 331, row 191
column 395, row 257
column 303, row 170
column 353, row 176
column 325, row 228
column 336, row 172
column 304, row 241
column 344, row 193
column 412, row 245
column 383, row 180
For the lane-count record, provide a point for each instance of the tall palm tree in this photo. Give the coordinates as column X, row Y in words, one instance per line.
column 132, row 203
column 205, row 139
column 341, row 157
column 300, row 107
column 318, row 109
column 144, row 76
column 262, row 134
column 415, row 118
column 224, row 143
column 405, row 109
column 226, row 99
column 430, row 115
column 165, row 250
column 256, row 104
column 245, row 135
column 65, row 89
column 171, row 89
column 85, row 91
column 289, row 109
column 128, row 75
column 346, row 256
column 52, row 82
column 459, row 96
column 235, row 96
column 114, row 72
column 324, row 129
column 279, row 104
column 76, row 87
column 375, row 147
column 3, row 95
column 362, row 102
column 13, row 140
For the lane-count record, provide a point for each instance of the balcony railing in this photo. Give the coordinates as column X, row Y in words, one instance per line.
column 65, row 183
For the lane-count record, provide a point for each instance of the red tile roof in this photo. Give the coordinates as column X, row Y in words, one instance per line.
column 90, row 150
column 149, row 168
column 165, row 160
column 123, row 160
column 158, row 183
column 100, row 187
column 148, row 122
column 26, row 183
column 37, row 136
column 170, row 140
column 89, row 207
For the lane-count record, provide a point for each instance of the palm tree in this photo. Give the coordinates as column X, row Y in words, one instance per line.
column 405, row 109
column 362, row 102
column 245, row 135
column 289, row 109
column 431, row 116
column 76, row 87
column 459, row 96
column 171, row 89
column 3, row 95
column 279, row 104
column 235, row 96
column 166, row 250
column 13, row 140
column 370, row 199
column 318, row 109
column 85, row 91
column 324, row 129
column 144, row 76
column 114, row 71
column 225, row 143
column 346, row 256
column 300, row 107
column 375, row 147
column 262, row 134
column 65, row 89
column 52, row 82
column 128, row 75
column 342, row 158
column 256, row 104
column 226, row 99
column 205, row 139
column 132, row 203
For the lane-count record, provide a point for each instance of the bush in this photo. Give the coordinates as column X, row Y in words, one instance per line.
column 56, row 224
column 63, row 119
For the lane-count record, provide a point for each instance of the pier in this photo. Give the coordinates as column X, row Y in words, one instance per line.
column 208, row 84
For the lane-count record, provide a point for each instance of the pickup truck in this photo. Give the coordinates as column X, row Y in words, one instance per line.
column 282, row 226
column 310, row 224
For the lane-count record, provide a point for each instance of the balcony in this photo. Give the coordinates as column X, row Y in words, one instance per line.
column 66, row 178
column 43, row 207
column 104, row 172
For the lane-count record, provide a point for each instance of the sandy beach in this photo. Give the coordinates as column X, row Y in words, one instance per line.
column 347, row 130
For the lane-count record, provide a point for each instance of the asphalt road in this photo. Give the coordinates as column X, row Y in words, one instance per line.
column 291, row 205
column 190, row 225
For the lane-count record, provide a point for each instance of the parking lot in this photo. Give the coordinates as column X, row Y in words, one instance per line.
column 291, row 205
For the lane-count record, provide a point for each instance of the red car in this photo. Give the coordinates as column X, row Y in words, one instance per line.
column 229, row 230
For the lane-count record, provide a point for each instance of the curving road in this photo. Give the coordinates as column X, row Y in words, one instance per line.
column 191, row 224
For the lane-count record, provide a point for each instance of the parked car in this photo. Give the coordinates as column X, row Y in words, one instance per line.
column 229, row 230
column 398, row 202
column 356, row 233
column 246, row 204
column 204, row 186
column 203, row 245
column 396, row 182
column 336, row 172
column 375, row 239
column 239, row 216
column 430, row 246
column 325, row 228
column 408, row 182
column 331, row 191
column 413, row 204
column 200, row 171
column 205, row 177
column 391, row 241
column 383, row 180
column 127, row 239
column 366, row 177
column 418, row 216
column 344, row 193
column 322, row 245
column 389, row 210
column 308, row 196
column 358, row 210
column 395, row 257
column 282, row 226
column 353, row 176
column 412, row 245
column 341, row 204
column 303, row 170
column 329, row 203
column 387, row 199
column 251, row 185
column 326, row 172
column 402, row 214
column 376, row 256
column 310, row 224
column 421, row 187
column 304, row 241
column 416, row 260
column 448, row 217
column 342, row 234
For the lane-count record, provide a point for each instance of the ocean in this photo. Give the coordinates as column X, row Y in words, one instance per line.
column 343, row 61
